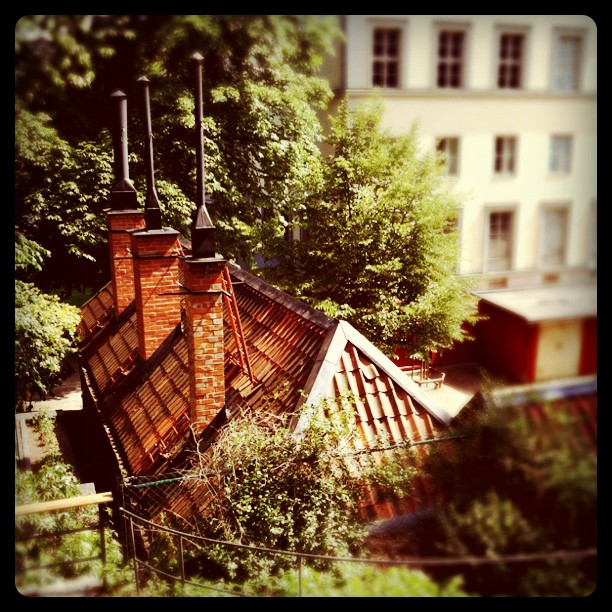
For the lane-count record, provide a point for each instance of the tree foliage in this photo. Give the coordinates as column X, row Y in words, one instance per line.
column 261, row 96
column 268, row 487
column 380, row 240
column 514, row 486
column 45, row 329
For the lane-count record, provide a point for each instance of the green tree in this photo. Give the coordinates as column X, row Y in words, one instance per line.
column 45, row 329
column 261, row 97
column 380, row 240
column 516, row 486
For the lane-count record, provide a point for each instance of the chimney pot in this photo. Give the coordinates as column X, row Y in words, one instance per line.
column 123, row 194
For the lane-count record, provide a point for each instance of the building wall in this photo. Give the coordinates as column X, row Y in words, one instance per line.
column 506, row 344
column 479, row 111
column 588, row 356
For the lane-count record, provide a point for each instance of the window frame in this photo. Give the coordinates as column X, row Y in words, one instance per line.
column 387, row 26
column 560, row 162
column 546, row 257
column 557, row 35
column 507, row 30
column 456, row 157
column 455, row 28
column 513, row 155
column 510, row 209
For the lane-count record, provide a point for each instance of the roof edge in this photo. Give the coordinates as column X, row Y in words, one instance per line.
column 395, row 373
column 295, row 305
column 327, row 362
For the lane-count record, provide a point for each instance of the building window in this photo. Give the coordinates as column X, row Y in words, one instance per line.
column 511, row 60
column 505, row 155
column 554, row 235
column 449, row 147
column 451, row 58
column 499, row 241
column 567, row 55
column 560, row 154
column 386, row 57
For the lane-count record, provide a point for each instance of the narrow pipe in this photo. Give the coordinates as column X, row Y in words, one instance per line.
column 152, row 209
column 203, row 242
column 123, row 193
column 201, row 193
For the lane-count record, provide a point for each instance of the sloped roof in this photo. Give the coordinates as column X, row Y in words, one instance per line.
column 549, row 303
column 297, row 354
column 551, row 406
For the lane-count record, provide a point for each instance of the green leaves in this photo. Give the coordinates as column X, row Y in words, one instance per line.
column 380, row 249
column 517, row 485
column 269, row 487
column 45, row 331
column 261, row 129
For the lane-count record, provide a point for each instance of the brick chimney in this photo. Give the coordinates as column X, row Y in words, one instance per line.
column 155, row 250
column 158, row 308
column 202, row 282
column 201, row 277
column 123, row 214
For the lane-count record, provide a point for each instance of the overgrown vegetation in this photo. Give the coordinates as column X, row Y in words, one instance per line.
column 269, row 488
column 45, row 328
column 515, row 485
column 41, row 539
column 55, row 480
column 511, row 488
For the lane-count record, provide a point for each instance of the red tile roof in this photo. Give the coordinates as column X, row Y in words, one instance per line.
column 550, row 408
column 95, row 313
column 297, row 354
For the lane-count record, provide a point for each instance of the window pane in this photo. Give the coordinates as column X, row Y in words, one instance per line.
column 510, row 66
column 386, row 53
column 500, row 241
column 450, row 59
column 554, row 236
column 505, row 152
column 450, row 148
column 560, row 154
column 566, row 63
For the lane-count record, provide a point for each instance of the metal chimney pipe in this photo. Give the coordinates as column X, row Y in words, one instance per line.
column 152, row 209
column 198, row 61
column 123, row 193
column 202, row 230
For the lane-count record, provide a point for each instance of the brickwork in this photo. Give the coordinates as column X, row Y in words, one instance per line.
column 203, row 306
column 122, row 267
column 156, row 254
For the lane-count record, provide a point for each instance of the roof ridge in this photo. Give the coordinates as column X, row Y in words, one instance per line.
column 291, row 303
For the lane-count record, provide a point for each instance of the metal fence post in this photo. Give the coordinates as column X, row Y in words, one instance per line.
column 134, row 555
column 182, row 559
column 102, row 525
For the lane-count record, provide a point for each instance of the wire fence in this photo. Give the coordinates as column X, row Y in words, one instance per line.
column 142, row 535
column 137, row 526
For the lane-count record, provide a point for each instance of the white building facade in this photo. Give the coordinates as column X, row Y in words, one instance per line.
column 512, row 102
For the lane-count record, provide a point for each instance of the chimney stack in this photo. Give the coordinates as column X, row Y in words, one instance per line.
column 155, row 250
column 123, row 214
column 202, row 282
